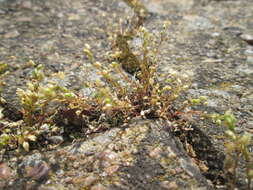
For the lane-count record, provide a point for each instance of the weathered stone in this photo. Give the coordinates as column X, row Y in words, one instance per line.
column 247, row 38
column 202, row 43
column 12, row 34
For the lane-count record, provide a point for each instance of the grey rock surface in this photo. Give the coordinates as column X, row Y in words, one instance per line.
column 146, row 155
column 205, row 44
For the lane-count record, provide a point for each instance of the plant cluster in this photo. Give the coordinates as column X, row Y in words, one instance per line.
column 145, row 96
column 130, row 87
column 118, row 96
column 3, row 72
column 35, row 101
column 237, row 148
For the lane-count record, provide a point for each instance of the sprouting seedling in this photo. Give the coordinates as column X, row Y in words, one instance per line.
column 236, row 148
column 35, row 101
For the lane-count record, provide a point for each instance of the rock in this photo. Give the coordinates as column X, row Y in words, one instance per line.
column 73, row 17
column 130, row 155
column 249, row 51
column 12, row 34
column 195, row 22
column 99, row 187
column 5, row 171
column 56, row 139
column 29, row 161
column 27, row 4
column 11, row 112
column 162, row 7
column 233, row 30
column 54, row 33
column 244, row 69
column 170, row 185
column 247, row 38
column 85, row 181
column 112, row 169
column 39, row 171
column 145, row 168
column 156, row 153
column 45, row 128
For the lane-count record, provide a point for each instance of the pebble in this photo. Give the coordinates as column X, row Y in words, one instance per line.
column 78, row 180
column 108, row 156
column 112, row 169
column 90, row 180
column 172, row 185
column 215, row 34
column 73, row 17
column 247, row 38
column 171, row 153
column 5, row 171
column 76, row 165
column 233, row 30
column 56, row 139
column 156, row 153
column 39, row 171
column 11, row 34
column 68, row 180
column 249, row 51
column 46, row 188
column 98, row 187
column 45, row 128
column 26, row 4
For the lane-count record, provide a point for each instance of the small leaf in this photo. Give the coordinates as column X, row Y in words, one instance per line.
column 250, row 174
column 195, row 101
column 230, row 134
column 229, row 120
column 245, row 139
column 230, row 147
column 26, row 146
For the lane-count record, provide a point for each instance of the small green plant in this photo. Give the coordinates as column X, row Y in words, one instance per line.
column 36, row 99
column 118, row 96
column 237, row 147
column 3, row 67
column 35, row 102
column 144, row 97
column 3, row 73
